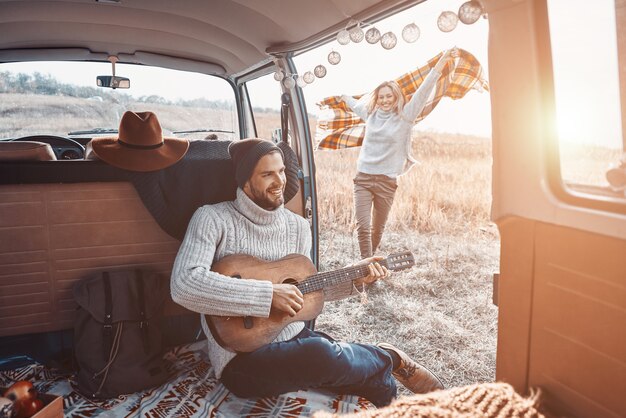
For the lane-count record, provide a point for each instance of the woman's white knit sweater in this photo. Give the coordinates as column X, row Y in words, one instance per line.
column 386, row 148
column 237, row 227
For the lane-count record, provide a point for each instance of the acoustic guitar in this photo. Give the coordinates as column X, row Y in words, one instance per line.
column 247, row 333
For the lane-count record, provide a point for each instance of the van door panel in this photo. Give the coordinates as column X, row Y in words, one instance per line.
column 571, row 312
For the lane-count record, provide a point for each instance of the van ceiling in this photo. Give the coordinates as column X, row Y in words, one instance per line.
column 233, row 34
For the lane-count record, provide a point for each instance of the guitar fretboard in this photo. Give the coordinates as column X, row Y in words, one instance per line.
column 333, row 278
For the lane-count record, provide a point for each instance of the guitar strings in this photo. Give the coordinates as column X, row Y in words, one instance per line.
column 317, row 281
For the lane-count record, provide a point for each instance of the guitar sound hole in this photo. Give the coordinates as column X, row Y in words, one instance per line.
column 290, row 281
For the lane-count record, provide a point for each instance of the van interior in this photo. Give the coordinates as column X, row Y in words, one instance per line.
column 65, row 215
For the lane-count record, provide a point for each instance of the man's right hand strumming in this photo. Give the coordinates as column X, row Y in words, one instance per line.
column 287, row 298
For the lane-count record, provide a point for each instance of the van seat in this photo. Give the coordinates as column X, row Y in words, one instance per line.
column 52, row 235
column 26, row 151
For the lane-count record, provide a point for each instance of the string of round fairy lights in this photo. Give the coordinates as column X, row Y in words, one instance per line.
column 468, row 13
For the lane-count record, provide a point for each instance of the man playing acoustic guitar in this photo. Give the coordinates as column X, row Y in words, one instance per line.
column 293, row 357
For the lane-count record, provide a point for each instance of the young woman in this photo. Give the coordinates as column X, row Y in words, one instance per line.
column 385, row 153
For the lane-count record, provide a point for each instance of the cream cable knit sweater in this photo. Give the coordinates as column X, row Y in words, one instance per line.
column 237, row 227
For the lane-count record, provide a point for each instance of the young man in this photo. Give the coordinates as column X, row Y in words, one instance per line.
column 256, row 223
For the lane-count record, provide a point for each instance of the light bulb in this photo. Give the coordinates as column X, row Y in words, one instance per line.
column 334, row 58
column 411, row 33
column 356, row 34
column 289, row 82
column 343, row 37
column 279, row 75
column 308, row 77
column 447, row 21
column 470, row 12
column 372, row 35
column 300, row 82
column 319, row 71
column 388, row 40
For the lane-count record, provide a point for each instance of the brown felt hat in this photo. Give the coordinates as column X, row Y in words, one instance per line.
column 140, row 146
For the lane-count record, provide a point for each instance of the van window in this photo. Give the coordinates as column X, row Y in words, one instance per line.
column 264, row 93
column 587, row 91
column 62, row 98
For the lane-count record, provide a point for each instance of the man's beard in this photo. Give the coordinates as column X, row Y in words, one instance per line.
column 265, row 199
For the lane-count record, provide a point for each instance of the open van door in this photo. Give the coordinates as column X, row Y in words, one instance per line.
column 562, row 285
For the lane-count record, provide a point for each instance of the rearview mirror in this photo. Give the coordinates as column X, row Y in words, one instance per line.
column 113, row 82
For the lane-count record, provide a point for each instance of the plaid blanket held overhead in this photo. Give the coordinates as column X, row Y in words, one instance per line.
column 346, row 129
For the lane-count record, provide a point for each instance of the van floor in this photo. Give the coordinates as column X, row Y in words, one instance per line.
column 192, row 391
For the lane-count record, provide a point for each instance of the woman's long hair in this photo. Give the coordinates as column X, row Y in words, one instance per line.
column 397, row 92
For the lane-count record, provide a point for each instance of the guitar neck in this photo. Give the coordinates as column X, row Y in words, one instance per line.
column 333, row 278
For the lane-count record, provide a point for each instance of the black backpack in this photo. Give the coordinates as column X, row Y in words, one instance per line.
column 117, row 340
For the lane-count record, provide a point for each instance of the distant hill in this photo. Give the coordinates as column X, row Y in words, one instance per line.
column 45, row 84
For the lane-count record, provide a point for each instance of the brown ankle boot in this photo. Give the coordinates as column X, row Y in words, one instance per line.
column 414, row 376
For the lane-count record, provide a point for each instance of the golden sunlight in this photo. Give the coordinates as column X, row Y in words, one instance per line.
column 573, row 124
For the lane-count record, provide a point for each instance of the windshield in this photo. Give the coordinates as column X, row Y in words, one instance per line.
column 61, row 98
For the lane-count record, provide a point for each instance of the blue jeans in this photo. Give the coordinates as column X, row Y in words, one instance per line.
column 312, row 360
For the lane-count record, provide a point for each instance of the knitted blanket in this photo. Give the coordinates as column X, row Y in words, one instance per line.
column 486, row 400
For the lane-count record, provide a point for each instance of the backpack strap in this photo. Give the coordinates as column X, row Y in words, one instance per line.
column 142, row 311
column 107, row 330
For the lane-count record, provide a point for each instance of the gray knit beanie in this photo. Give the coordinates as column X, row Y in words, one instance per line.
column 245, row 155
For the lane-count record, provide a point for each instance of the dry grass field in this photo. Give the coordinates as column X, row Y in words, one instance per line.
column 449, row 191
column 22, row 115
column 440, row 311
column 587, row 165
